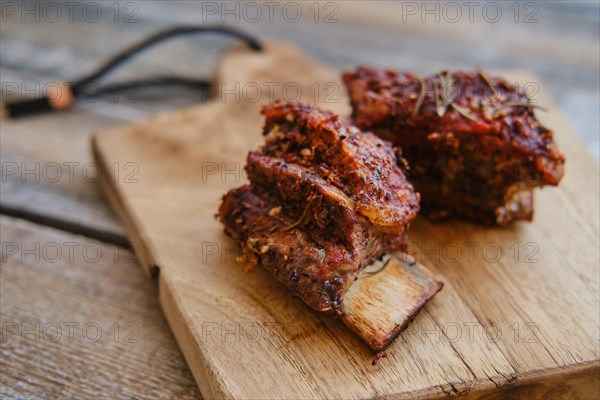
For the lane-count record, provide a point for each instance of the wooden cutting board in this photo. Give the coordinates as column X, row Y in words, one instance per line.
column 518, row 314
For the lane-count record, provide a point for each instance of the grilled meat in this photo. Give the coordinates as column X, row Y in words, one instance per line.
column 347, row 181
column 325, row 200
column 319, row 273
column 358, row 163
column 473, row 143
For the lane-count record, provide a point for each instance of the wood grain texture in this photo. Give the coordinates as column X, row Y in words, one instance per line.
column 561, row 49
column 386, row 297
column 510, row 319
column 81, row 323
column 56, row 182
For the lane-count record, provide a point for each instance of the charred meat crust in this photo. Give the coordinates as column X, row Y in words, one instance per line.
column 301, row 192
column 360, row 164
column 317, row 274
column 325, row 199
column 478, row 155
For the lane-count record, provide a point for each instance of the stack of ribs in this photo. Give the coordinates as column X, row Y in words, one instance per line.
column 324, row 201
column 472, row 142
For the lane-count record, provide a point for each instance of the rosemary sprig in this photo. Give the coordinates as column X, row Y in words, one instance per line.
column 508, row 104
column 439, row 107
column 304, row 214
column 441, row 101
column 487, row 80
column 420, row 99
column 525, row 104
column 464, row 112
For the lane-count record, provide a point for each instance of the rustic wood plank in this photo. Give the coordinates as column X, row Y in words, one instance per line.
column 567, row 63
column 53, row 301
column 56, row 184
column 516, row 327
column 56, row 181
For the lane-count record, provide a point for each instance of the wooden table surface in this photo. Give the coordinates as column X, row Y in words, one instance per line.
column 79, row 319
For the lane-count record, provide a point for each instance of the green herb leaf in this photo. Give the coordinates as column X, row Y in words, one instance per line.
column 440, row 93
column 524, row 104
column 464, row 112
column 487, row 80
column 420, row 99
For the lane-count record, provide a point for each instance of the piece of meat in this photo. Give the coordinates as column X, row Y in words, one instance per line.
column 377, row 305
column 325, row 200
column 347, row 181
column 312, row 202
column 360, row 164
column 318, row 273
column 473, row 143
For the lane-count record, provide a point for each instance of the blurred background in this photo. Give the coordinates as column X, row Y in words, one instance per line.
column 558, row 41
